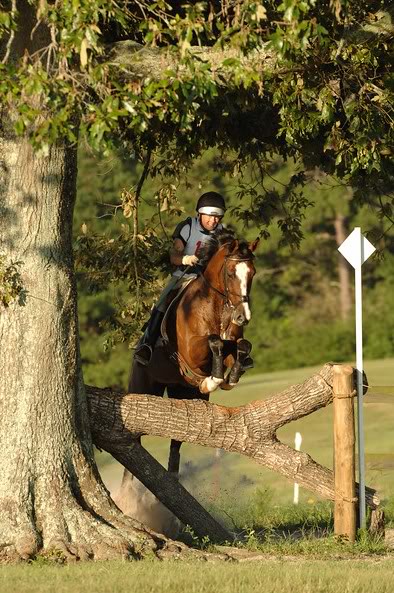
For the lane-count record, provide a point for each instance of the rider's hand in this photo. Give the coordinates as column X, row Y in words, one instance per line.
column 189, row 260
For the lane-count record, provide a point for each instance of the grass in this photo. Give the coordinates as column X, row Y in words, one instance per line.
column 272, row 575
column 295, row 551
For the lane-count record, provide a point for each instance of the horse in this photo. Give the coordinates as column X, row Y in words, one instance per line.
column 203, row 329
column 202, row 346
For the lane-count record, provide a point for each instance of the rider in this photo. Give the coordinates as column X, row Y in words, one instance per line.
column 188, row 238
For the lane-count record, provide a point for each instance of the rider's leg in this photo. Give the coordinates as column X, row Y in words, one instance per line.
column 144, row 349
column 143, row 352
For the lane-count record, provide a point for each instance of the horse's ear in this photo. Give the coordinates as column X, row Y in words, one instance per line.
column 233, row 246
column 253, row 244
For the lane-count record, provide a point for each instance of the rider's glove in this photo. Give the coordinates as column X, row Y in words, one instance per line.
column 189, row 260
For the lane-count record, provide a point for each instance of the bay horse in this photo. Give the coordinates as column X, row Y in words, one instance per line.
column 203, row 346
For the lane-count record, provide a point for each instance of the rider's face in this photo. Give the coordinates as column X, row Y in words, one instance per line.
column 210, row 222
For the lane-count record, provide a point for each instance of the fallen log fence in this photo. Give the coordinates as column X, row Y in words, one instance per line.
column 117, row 419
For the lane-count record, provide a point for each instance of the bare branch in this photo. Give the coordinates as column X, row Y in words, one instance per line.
column 11, row 37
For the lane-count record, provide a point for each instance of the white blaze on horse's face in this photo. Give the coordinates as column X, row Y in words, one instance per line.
column 242, row 273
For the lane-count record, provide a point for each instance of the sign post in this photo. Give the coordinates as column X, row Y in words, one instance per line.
column 297, row 443
column 357, row 249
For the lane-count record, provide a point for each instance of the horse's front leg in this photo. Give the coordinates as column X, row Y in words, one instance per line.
column 242, row 363
column 217, row 372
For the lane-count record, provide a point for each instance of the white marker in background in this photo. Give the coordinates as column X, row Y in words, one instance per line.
column 357, row 249
column 297, row 442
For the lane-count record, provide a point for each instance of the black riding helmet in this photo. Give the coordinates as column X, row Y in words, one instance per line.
column 211, row 203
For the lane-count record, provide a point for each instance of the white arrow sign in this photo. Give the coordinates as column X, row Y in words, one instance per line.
column 357, row 249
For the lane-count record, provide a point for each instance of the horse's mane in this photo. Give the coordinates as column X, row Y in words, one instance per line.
column 219, row 238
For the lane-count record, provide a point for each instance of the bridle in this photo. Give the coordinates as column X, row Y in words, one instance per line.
column 228, row 304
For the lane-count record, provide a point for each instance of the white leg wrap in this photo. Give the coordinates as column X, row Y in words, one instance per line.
column 210, row 384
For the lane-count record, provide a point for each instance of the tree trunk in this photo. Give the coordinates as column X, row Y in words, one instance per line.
column 343, row 269
column 51, row 496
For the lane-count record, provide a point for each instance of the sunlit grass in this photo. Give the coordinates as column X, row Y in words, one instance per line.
column 272, row 574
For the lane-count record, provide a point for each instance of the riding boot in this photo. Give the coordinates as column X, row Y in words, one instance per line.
column 143, row 352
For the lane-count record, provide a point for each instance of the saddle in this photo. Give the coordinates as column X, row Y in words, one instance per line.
column 173, row 300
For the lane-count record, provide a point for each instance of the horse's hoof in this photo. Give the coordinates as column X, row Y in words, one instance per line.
column 247, row 364
column 244, row 346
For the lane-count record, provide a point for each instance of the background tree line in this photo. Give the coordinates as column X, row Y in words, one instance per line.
column 303, row 291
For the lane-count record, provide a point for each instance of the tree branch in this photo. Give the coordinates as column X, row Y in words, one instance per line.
column 168, row 490
column 140, row 62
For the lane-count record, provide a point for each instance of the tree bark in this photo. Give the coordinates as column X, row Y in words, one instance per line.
column 51, row 494
column 250, row 430
column 343, row 269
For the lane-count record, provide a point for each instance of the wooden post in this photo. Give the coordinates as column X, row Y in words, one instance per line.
column 344, row 452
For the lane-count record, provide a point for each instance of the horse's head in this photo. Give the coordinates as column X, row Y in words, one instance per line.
column 238, row 272
column 230, row 272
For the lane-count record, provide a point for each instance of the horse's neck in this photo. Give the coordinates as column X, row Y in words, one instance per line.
column 214, row 276
column 200, row 295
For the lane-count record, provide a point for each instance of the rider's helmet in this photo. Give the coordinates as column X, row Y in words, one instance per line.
column 211, row 203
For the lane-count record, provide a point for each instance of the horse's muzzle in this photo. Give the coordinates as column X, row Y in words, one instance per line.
column 238, row 318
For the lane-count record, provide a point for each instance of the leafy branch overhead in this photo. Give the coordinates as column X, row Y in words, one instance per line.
column 296, row 78
column 303, row 79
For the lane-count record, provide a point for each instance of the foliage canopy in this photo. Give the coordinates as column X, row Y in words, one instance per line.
column 162, row 82
column 301, row 77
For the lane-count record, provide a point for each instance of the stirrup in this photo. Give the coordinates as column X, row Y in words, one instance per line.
column 144, row 354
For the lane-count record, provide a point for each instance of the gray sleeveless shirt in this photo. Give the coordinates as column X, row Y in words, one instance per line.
column 193, row 236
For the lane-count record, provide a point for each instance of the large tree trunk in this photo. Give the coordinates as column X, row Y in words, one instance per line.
column 51, row 496
column 343, row 269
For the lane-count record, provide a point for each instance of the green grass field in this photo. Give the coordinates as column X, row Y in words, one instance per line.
column 273, row 575
column 227, row 482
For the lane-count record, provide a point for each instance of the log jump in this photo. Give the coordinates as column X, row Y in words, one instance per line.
column 249, row 430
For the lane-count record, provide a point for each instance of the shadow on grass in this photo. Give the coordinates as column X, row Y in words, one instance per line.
column 305, row 529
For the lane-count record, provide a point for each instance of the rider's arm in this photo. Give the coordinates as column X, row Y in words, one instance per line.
column 176, row 252
column 181, row 236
